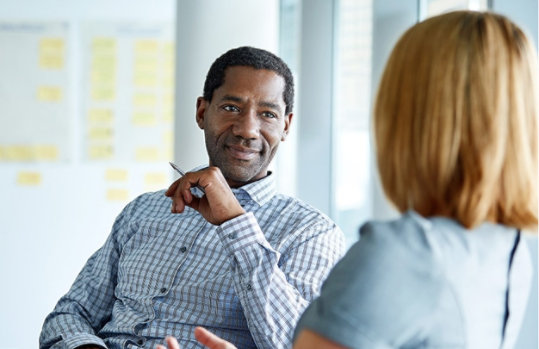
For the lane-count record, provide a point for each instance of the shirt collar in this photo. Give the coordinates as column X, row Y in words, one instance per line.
column 260, row 191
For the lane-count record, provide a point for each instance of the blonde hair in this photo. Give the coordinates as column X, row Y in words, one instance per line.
column 455, row 121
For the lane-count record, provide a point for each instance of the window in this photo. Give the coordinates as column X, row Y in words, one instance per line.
column 352, row 112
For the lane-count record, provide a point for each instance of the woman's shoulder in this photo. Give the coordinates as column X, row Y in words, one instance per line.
column 389, row 283
column 407, row 237
column 389, row 256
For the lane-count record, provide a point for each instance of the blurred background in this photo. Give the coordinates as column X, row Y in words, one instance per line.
column 97, row 96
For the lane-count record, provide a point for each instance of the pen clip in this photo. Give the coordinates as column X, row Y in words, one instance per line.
column 179, row 170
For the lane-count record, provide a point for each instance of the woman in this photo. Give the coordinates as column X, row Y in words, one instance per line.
column 456, row 138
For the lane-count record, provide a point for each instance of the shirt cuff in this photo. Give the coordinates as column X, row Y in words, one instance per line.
column 79, row 339
column 240, row 232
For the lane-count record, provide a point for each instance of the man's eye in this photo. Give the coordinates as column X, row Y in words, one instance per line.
column 231, row 108
column 270, row 115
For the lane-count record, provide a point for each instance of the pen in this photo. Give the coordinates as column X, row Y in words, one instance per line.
column 179, row 170
column 182, row 173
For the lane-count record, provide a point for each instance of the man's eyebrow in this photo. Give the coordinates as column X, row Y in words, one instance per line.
column 271, row 105
column 232, row 98
column 237, row 99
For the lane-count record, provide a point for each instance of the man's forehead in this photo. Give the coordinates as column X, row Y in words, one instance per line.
column 241, row 82
column 249, row 70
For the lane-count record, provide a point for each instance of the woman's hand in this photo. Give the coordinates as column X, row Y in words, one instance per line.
column 204, row 337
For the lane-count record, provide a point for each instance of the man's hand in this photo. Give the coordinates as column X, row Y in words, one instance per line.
column 217, row 206
column 204, row 337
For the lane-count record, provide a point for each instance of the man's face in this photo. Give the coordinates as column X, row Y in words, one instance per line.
column 244, row 123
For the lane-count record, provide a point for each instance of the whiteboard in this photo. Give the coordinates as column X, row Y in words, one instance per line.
column 71, row 156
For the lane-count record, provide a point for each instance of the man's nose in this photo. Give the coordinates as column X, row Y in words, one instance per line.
column 247, row 125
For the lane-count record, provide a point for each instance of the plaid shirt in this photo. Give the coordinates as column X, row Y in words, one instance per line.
column 247, row 280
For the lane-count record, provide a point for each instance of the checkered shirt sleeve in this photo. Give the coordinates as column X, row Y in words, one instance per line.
column 274, row 291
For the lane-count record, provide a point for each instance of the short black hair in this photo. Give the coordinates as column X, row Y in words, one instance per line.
column 250, row 57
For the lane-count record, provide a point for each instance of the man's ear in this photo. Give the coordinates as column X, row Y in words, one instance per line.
column 202, row 104
column 287, row 122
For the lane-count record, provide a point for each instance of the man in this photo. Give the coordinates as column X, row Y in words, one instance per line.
column 238, row 259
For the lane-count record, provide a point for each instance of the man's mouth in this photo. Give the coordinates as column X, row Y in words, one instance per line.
column 242, row 153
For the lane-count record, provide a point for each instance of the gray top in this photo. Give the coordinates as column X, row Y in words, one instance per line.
column 429, row 283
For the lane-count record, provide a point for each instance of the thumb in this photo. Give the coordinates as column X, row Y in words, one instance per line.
column 211, row 340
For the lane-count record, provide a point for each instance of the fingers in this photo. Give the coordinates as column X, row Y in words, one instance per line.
column 172, row 189
column 217, row 205
column 172, row 343
column 210, row 340
column 204, row 336
column 180, row 193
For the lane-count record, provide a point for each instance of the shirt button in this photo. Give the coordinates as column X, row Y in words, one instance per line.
column 163, row 290
column 248, row 287
column 183, row 249
column 140, row 342
column 232, row 236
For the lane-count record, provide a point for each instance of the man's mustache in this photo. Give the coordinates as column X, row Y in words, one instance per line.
column 252, row 145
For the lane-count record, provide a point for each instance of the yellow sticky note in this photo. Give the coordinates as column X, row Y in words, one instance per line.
column 168, row 137
column 168, row 81
column 102, row 116
column 146, row 63
column 145, row 80
column 117, row 195
column 116, row 175
column 51, row 53
column 51, row 62
column 104, row 63
column 19, row 153
column 46, row 152
column 100, row 152
column 168, row 116
column 168, row 66
column 103, row 77
column 51, row 45
column 103, row 45
column 168, row 103
column 155, row 181
column 144, row 119
column 168, row 151
column 104, row 70
column 169, row 48
column 28, row 178
column 147, row 154
column 100, row 133
column 146, row 46
column 155, row 178
column 103, row 93
column 144, row 100
column 168, row 99
column 49, row 94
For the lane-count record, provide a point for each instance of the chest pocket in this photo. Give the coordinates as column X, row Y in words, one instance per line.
column 149, row 259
